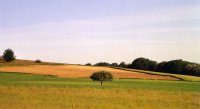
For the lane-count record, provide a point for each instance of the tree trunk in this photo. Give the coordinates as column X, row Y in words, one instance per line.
column 101, row 83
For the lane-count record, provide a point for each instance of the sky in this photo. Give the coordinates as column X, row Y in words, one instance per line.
column 82, row 31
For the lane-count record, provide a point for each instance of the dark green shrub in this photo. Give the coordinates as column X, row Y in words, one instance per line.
column 114, row 65
column 123, row 65
column 38, row 61
column 88, row 64
column 102, row 64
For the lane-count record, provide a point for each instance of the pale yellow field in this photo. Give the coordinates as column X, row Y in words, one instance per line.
column 75, row 71
column 92, row 98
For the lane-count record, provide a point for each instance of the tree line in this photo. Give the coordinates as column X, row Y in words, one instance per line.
column 174, row 66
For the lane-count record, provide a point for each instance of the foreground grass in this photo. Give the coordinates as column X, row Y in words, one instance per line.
column 182, row 77
column 28, row 91
column 92, row 98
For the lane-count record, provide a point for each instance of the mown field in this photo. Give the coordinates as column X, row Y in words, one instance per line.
column 31, row 91
column 77, row 71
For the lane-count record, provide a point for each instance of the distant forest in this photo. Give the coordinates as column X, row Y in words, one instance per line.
column 173, row 66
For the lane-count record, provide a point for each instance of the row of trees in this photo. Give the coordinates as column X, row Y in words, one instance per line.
column 174, row 66
column 179, row 67
column 122, row 64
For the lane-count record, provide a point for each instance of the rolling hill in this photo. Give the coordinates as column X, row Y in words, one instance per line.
column 80, row 71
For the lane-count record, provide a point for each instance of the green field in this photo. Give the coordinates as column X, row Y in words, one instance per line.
column 29, row 91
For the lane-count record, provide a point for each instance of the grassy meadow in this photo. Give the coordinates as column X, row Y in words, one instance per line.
column 22, row 91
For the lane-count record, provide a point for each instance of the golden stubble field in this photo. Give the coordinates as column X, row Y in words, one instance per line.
column 76, row 71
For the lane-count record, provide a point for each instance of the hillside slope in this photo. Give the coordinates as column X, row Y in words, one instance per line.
column 21, row 62
column 77, row 71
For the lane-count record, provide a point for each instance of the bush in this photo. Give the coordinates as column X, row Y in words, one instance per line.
column 114, row 65
column 38, row 61
column 88, row 64
column 8, row 55
column 102, row 64
column 102, row 76
column 123, row 65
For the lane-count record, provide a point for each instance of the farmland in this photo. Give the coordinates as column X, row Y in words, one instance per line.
column 74, row 71
column 99, row 54
column 48, row 92
column 25, row 84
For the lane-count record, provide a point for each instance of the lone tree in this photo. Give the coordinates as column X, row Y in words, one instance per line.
column 102, row 76
column 8, row 55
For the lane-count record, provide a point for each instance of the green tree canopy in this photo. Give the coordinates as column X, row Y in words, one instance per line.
column 8, row 55
column 144, row 64
column 102, row 76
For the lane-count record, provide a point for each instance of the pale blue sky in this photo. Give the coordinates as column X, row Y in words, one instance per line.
column 81, row 31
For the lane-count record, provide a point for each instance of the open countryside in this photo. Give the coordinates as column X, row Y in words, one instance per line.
column 44, row 86
column 39, row 92
column 99, row 54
